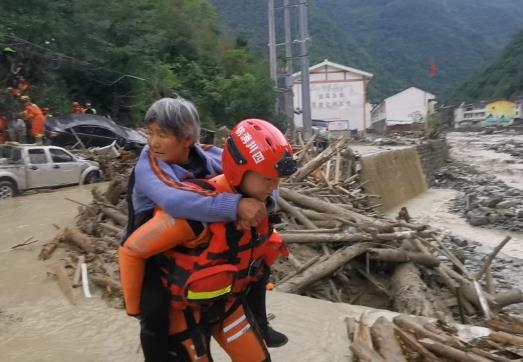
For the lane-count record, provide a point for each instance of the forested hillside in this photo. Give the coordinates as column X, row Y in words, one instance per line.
column 502, row 79
column 397, row 40
column 122, row 55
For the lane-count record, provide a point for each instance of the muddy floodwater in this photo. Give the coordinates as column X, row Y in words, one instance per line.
column 37, row 324
column 36, row 321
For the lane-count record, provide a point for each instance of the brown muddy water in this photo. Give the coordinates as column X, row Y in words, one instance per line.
column 36, row 321
column 37, row 324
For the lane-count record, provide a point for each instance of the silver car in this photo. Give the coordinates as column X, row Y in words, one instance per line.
column 25, row 167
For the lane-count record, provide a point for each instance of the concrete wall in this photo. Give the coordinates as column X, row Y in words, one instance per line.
column 395, row 175
column 398, row 175
column 432, row 154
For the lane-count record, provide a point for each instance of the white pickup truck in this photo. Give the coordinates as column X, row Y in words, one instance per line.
column 24, row 167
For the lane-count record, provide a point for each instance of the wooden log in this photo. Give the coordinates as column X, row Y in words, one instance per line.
column 451, row 353
column 411, row 325
column 489, row 281
column 110, row 228
column 488, row 355
column 504, row 326
column 504, row 338
column 509, row 297
column 78, row 239
column 321, row 270
column 362, row 333
column 47, row 250
column 65, row 283
column 308, row 231
column 451, row 256
column 402, row 256
column 365, row 354
column 301, row 269
column 491, row 257
column 410, row 291
column 106, row 282
column 314, row 238
column 296, row 213
column 115, row 215
column 385, row 341
column 413, row 345
column 316, row 162
column 345, row 238
column 322, row 206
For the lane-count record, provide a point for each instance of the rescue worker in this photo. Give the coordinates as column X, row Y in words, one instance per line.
column 77, row 108
column 3, row 129
column 173, row 156
column 89, row 109
column 35, row 116
column 17, row 130
column 208, row 269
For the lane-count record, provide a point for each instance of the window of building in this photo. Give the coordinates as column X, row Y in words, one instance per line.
column 327, row 95
column 342, row 95
column 334, row 95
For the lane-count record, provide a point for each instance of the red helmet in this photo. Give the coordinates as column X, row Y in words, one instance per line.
column 256, row 145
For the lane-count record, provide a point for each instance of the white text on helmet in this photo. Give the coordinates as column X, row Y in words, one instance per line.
column 246, row 138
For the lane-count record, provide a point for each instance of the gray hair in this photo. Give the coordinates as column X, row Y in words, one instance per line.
column 177, row 115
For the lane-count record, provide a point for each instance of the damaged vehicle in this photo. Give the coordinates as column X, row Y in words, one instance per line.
column 26, row 167
column 89, row 130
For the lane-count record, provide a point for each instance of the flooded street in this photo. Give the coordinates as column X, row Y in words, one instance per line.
column 36, row 321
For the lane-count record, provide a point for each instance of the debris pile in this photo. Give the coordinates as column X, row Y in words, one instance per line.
column 484, row 199
column 409, row 338
column 341, row 248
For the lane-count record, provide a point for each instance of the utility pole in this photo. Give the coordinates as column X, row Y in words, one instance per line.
column 289, row 83
column 272, row 43
column 305, row 85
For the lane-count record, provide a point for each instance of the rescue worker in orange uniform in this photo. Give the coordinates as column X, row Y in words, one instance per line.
column 207, row 269
column 35, row 116
column 77, row 108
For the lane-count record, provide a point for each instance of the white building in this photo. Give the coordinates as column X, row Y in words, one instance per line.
column 469, row 115
column 338, row 96
column 407, row 107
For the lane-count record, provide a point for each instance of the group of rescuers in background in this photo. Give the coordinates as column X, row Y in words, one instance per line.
column 196, row 257
column 28, row 125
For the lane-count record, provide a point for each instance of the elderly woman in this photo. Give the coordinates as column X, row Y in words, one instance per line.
column 173, row 155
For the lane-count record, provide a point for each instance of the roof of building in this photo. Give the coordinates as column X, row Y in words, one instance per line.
column 327, row 63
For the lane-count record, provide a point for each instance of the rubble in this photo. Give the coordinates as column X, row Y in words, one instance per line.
column 484, row 199
column 341, row 248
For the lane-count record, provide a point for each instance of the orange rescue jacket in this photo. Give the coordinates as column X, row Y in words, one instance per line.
column 199, row 264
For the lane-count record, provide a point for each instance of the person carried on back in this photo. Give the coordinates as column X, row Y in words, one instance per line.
column 172, row 156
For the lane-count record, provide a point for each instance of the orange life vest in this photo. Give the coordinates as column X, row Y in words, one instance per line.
column 222, row 267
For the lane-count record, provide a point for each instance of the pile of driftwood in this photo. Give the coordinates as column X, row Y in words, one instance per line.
column 113, row 161
column 409, row 338
column 341, row 249
column 92, row 245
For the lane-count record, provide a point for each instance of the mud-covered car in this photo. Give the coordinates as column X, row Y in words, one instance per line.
column 91, row 131
column 25, row 167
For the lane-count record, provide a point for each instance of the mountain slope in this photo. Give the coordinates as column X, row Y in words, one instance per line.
column 502, row 79
column 395, row 39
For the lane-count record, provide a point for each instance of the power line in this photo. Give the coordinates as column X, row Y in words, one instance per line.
column 87, row 66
